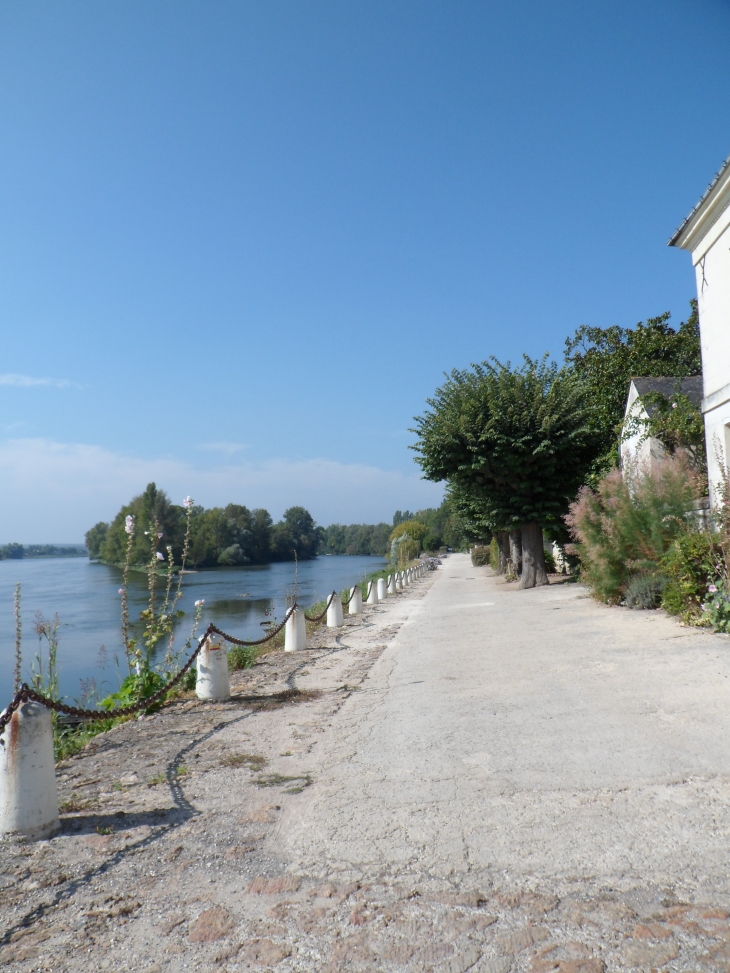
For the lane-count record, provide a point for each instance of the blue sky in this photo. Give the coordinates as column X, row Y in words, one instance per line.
column 241, row 242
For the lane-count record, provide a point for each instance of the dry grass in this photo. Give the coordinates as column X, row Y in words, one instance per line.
column 254, row 761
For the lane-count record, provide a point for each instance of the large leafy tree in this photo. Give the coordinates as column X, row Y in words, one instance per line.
column 606, row 359
column 297, row 532
column 153, row 507
column 513, row 443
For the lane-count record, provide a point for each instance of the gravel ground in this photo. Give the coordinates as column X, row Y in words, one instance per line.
column 467, row 777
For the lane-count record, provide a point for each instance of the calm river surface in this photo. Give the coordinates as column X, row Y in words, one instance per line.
column 85, row 595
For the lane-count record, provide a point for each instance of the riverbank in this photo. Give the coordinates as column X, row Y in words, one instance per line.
column 167, row 820
column 85, row 596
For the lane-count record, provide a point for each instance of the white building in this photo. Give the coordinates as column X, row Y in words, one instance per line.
column 706, row 234
column 640, row 448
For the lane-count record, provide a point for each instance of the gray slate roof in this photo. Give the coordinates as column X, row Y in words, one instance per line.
column 690, row 386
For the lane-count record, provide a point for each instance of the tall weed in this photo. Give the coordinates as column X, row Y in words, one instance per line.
column 627, row 524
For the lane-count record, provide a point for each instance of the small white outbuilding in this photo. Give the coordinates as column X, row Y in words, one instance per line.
column 706, row 234
column 642, row 449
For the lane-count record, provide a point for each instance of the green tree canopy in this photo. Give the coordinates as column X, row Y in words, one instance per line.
column 149, row 507
column 606, row 359
column 94, row 538
column 517, row 442
column 416, row 530
column 297, row 532
column 231, row 535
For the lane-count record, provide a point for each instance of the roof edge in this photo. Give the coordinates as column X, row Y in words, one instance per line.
column 674, row 240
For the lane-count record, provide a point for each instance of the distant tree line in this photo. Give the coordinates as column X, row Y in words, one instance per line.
column 235, row 535
column 433, row 528
column 14, row 552
column 232, row 535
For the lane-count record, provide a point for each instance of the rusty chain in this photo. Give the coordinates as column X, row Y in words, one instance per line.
column 26, row 694
column 318, row 618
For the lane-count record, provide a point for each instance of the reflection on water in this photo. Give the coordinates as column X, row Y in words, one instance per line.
column 239, row 608
column 85, row 595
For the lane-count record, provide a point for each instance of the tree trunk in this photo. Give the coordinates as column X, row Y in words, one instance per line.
column 533, row 557
column 515, row 549
column 503, row 545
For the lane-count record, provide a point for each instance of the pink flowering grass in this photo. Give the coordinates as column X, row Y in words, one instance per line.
column 626, row 525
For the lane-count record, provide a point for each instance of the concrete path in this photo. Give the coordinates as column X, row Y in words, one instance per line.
column 530, row 736
column 467, row 777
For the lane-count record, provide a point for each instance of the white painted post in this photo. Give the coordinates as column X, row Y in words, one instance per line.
column 355, row 601
column 212, row 681
column 295, row 631
column 28, row 799
column 398, row 581
column 335, row 617
column 372, row 594
column 391, row 584
column 381, row 589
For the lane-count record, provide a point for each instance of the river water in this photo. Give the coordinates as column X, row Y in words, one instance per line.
column 85, row 595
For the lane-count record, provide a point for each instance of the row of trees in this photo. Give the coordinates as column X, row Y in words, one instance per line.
column 514, row 445
column 433, row 527
column 15, row 552
column 235, row 535
column 232, row 535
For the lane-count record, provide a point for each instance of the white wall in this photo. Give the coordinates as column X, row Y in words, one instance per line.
column 631, row 451
column 712, row 267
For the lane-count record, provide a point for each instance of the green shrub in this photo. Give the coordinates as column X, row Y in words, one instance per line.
column 550, row 563
column 480, row 556
column 690, row 565
column 494, row 553
column 629, row 522
column 644, row 590
column 242, row 656
column 716, row 610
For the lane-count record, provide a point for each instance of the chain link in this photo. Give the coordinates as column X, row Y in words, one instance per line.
column 25, row 694
column 318, row 618
column 352, row 595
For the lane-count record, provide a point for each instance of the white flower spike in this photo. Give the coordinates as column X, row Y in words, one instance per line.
column 129, row 523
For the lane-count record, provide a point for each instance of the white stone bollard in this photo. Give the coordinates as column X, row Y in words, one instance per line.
column 398, row 581
column 212, row 681
column 391, row 584
column 28, row 799
column 335, row 616
column 372, row 594
column 295, row 631
column 355, row 606
column 381, row 589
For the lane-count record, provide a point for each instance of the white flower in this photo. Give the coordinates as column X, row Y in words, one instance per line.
column 129, row 523
column 712, row 588
column 188, row 502
column 200, row 602
column 159, row 536
column 160, row 557
column 121, row 591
